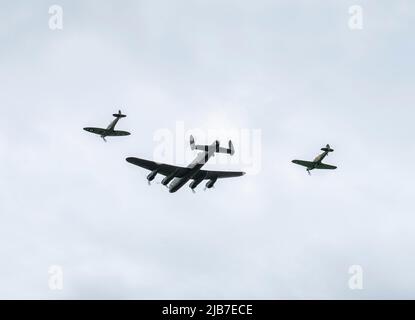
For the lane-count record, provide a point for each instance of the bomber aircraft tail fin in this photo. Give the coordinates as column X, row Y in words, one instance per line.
column 230, row 150
column 218, row 149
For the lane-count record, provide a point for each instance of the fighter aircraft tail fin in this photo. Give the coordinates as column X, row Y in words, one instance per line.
column 119, row 114
column 327, row 149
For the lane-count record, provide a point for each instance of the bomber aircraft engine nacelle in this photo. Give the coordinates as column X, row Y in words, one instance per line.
column 152, row 175
column 211, row 183
column 195, row 183
column 168, row 179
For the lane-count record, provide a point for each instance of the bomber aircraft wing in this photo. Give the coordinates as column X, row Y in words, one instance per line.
column 161, row 168
column 213, row 175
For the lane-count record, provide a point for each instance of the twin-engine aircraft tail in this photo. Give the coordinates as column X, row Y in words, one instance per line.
column 327, row 149
column 230, row 150
column 119, row 115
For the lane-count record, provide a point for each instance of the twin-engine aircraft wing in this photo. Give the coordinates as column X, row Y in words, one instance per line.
column 179, row 172
column 325, row 166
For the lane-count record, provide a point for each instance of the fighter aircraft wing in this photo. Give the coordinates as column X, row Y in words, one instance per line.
column 325, row 166
column 118, row 133
column 213, row 175
column 162, row 168
column 97, row 130
column 303, row 163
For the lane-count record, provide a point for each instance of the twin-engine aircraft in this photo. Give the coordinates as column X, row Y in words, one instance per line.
column 317, row 162
column 110, row 131
column 179, row 176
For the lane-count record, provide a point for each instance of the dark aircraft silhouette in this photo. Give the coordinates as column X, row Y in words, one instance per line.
column 110, row 132
column 179, row 176
column 317, row 162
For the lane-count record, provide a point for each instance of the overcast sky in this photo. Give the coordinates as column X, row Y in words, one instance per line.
column 291, row 70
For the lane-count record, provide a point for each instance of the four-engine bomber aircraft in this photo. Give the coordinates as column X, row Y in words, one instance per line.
column 110, row 132
column 317, row 162
column 179, row 176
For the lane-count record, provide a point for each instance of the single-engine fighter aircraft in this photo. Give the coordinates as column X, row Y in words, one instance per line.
column 179, row 176
column 110, row 132
column 317, row 162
